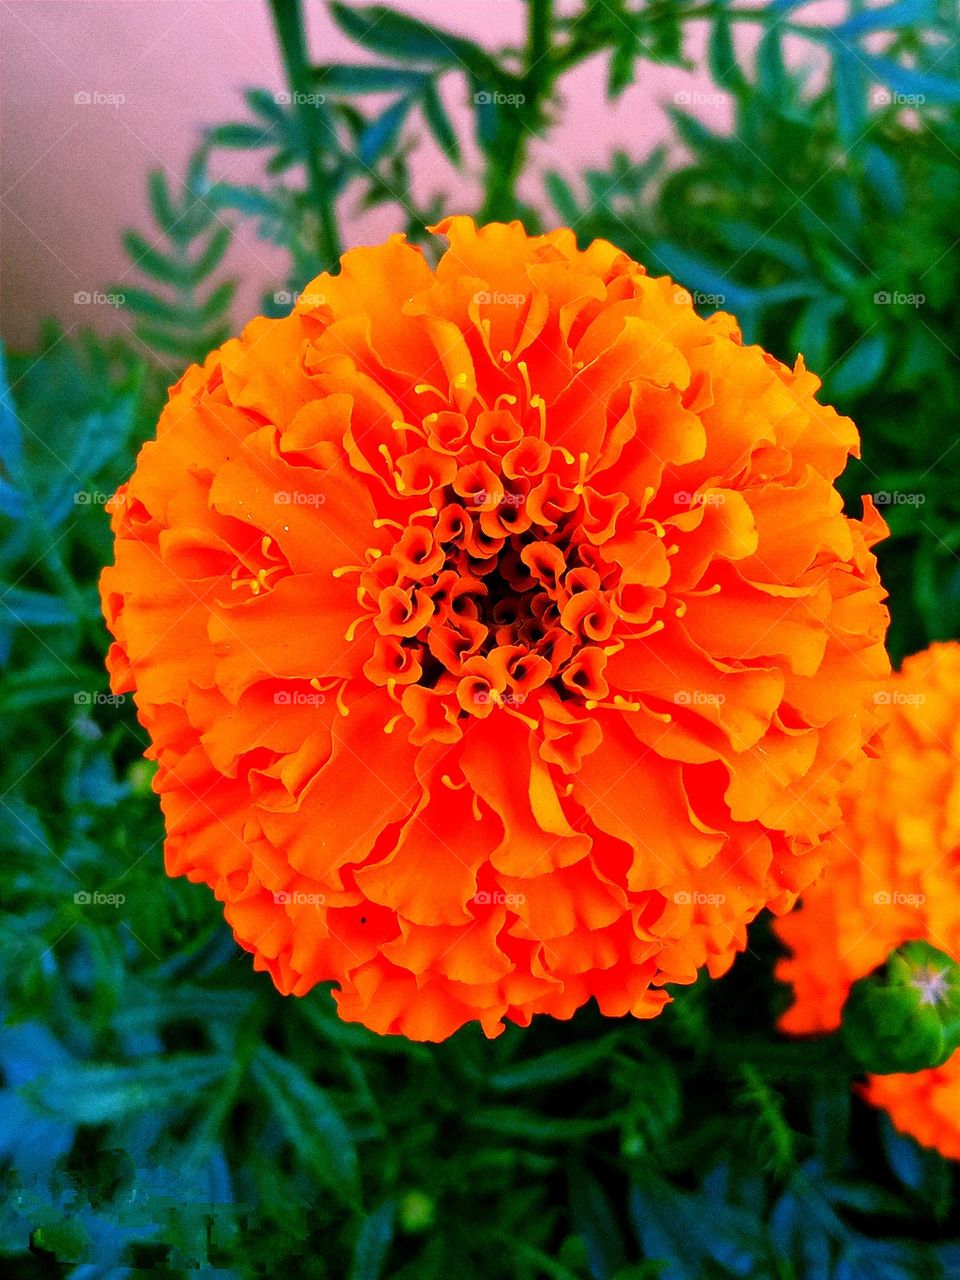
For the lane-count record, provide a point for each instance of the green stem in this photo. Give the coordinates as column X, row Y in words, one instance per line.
column 288, row 22
column 509, row 150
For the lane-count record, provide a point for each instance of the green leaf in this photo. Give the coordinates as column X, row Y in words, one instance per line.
column 562, row 198
column 811, row 335
column 36, row 608
column 906, row 13
column 622, row 59
column 247, row 200
column 850, row 91
column 211, row 256
column 161, row 204
column 264, row 103
column 242, row 136
column 435, row 114
column 218, row 302
column 382, row 133
column 773, row 82
column 143, row 303
column 341, row 78
column 147, row 258
column 310, row 1120
column 860, row 368
column 722, row 57
column 386, row 31
column 922, row 85
column 550, row 1068
column 100, row 1093
column 596, row 1224
column 373, row 1243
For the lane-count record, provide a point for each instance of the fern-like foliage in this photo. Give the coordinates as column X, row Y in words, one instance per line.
column 179, row 312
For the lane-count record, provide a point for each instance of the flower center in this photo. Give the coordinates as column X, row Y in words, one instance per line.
column 500, row 588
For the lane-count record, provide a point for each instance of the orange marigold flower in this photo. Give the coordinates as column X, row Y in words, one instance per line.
column 894, row 877
column 498, row 630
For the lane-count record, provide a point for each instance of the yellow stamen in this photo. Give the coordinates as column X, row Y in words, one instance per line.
column 625, row 705
column 525, row 375
column 395, row 474
column 392, row 722
column 449, row 782
column 650, row 631
column 619, row 703
column 341, row 705
column 423, row 388
column 537, row 402
column 512, row 711
column 417, row 430
column 351, row 631
column 382, row 521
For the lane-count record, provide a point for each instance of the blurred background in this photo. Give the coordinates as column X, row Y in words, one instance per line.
column 178, row 65
column 169, row 170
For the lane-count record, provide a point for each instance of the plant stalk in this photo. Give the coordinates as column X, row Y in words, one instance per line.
column 288, row 23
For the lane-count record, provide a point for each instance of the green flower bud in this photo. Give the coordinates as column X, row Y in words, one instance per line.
column 905, row 1016
column 140, row 776
column 416, row 1212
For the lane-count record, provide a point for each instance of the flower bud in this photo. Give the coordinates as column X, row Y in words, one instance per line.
column 905, row 1016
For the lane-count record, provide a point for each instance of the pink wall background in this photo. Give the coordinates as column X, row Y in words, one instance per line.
column 73, row 176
